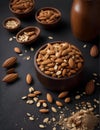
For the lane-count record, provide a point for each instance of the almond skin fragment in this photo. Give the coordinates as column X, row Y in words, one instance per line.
column 29, row 79
column 49, row 98
column 63, row 94
column 10, row 78
column 9, row 62
column 94, row 51
column 90, row 87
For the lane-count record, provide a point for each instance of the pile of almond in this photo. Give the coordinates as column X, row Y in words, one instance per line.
column 27, row 36
column 11, row 24
column 48, row 16
column 21, row 6
column 60, row 60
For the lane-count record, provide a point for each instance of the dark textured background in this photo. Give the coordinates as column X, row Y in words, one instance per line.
column 12, row 109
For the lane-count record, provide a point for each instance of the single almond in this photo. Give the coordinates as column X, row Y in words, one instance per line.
column 44, row 110
column 9, row 62
column 42, row 101
column 49, row 98
column 17, row 50
column 29, row 79
column 59, row 104
column 63, row 94
column 67, row 100
column 94, row 51
column 71, row 63
column 90, row 87
column 31, row 95
column 10, row 78
column 37, row 92
column 11, row 70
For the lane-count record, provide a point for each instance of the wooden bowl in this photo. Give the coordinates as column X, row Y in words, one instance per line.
column 20, row 9
column 55, row 83
column 28, row 35
column 50, row 17
column 12, row 24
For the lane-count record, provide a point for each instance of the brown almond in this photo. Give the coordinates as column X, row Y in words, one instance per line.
column 49, row 98
column 10, row 78
column 94, row 51
column 59, row 104
column 42, row 101
column 37, row 92
column 65, row 52
column 90, row 87
column 67, row 100
column 71, row 63
column 46, row 62
column 59, row 60
column 29, row 79
column 11, row 70
column 64, row 72
column 44, row 110
column 31, row 95
column 17, row 50
column 9, row 62
column 79, row 65
column 63, row 94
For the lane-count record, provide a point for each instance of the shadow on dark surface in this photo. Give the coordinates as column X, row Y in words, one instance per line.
column 60, row 27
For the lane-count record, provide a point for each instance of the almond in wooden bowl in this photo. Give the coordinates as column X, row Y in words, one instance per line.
column 28, row 35
column 59, row 65
column 12, row 24
column 48, row 16
column 22, row 8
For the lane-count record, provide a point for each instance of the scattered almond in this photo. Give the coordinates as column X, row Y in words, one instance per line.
column 59, row 104
column 10, row 78
column 63, row 94
column 67, row 100
column 37, row 92
column 49, row 98
column 9, row 62
column 94, row 51
column 11, row 70
column 42, row 101
column 90, row 87
column 44, row 110
column 31, row 95
column 17, row 50
column 29, row 79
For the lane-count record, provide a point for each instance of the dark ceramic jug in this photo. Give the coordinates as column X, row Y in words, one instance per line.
column 85, row 19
